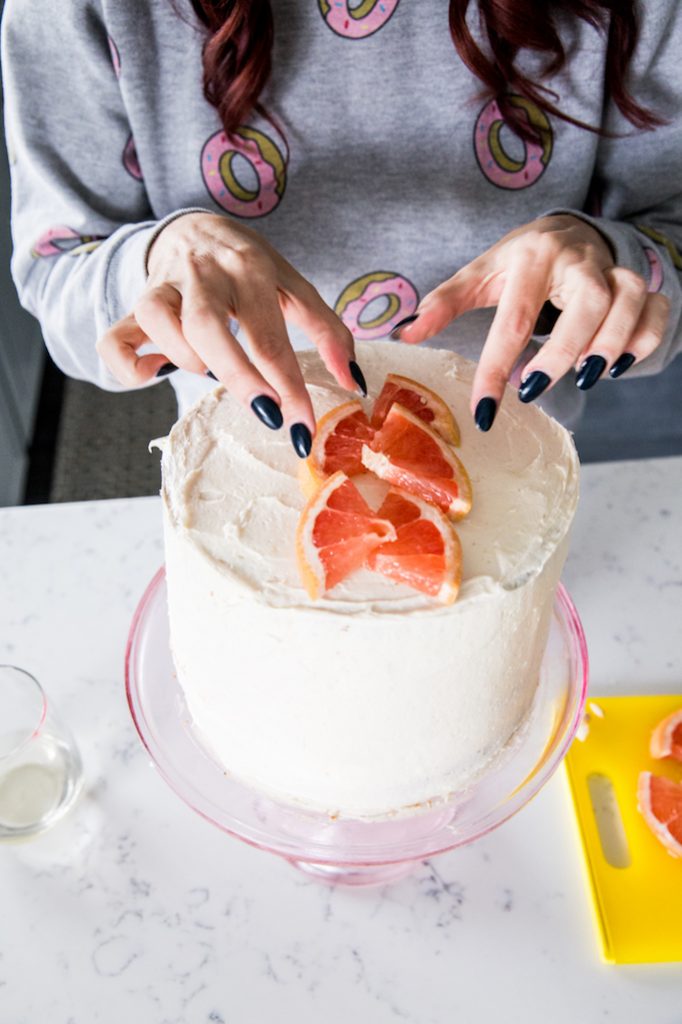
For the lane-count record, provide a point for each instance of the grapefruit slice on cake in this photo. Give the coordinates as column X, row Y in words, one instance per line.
column 420, row 400
column 337, row 446
column 336, row 534
column 660, row 802
column 426, row 553
column 410, row 455
column 666, row 739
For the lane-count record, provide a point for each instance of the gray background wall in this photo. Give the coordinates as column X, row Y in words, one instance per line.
column 21, row 365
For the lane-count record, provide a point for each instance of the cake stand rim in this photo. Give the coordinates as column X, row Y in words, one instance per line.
column 293, row 854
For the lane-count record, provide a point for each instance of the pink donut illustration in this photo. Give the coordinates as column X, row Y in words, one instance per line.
column 130, row 161
column 357, row 22
column 60, row 240
column 498, row 167
column 115, row 56
column 655, row 269
column 266, row 160
column 657, row 236
column 402, row 301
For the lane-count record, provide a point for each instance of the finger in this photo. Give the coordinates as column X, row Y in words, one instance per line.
column 263, row 326
column 519, row 306
column 303, row 306
column 587, row 304
column 647, row 335
column 478, row 284
column 158, row 312
column 118, row 348
column 629, row 295
column 204, row 325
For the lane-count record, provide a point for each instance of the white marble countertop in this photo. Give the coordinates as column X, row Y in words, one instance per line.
column 135, row 909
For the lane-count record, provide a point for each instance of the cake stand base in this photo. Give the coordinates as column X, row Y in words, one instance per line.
column 356, row 875
column 350, row 852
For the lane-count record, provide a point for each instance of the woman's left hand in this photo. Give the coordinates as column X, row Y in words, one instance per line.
column 608, row 318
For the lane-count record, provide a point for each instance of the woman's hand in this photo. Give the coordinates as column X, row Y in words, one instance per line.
column 205, row 269
column 608, row 320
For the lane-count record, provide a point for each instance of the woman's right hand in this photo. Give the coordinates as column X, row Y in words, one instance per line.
column 205, row 269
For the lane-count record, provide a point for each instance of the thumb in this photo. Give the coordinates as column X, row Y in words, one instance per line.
column 476, row 285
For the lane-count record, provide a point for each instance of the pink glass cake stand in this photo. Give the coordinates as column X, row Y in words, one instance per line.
column 349, row 851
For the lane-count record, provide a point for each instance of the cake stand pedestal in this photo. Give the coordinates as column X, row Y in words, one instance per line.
column 343, row 850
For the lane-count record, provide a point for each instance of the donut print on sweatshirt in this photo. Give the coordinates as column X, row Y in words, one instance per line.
column 381, row 175
column 360, row 20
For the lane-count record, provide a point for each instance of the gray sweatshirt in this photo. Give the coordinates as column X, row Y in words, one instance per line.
column 394, row 172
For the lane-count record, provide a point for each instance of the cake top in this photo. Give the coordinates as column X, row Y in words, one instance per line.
column 231, row 487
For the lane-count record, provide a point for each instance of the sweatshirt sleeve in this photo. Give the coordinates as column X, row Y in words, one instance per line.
column 636, row 194
column 81, row 219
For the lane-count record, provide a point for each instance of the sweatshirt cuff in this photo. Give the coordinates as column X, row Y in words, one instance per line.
column 125, row 279
column 631, row 248
column 625, row 242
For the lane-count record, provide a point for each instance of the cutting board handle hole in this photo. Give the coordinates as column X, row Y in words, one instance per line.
column 614, row 843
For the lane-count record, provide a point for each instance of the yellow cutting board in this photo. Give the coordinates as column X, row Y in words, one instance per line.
column 639, row 903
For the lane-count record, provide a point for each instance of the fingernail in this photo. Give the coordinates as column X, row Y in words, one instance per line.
column 268, row 412
column 590, row 372
column 533, row 385
column 485, row 413
column 209, row 373
column 395, row 333
column 359, row 377
column 301, row 440
column 621, row 364
column 167, row 368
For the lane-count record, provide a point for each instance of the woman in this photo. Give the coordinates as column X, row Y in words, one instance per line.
column 174, row 199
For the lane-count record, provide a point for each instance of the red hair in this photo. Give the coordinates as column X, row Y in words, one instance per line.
column 237, row 54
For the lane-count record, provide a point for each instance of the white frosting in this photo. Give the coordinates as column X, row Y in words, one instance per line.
column 372, row 698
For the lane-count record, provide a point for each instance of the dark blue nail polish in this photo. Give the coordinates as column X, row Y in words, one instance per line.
column 209, row 373
column 533, row 385
column 301, row 440
column 621, row 364
column 358, row 376
column 167, row 368
column 268, row 412
column 590, row 372
column 485, row 414
column 395, row 333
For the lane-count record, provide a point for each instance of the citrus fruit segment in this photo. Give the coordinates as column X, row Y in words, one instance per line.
column 336, row 534
column 420, row 400
column 426, row 553
column 660, row 802
column 666, row 739
column 338, row 442
column 410, row 455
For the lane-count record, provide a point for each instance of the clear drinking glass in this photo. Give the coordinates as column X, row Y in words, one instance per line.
column 41, row 772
